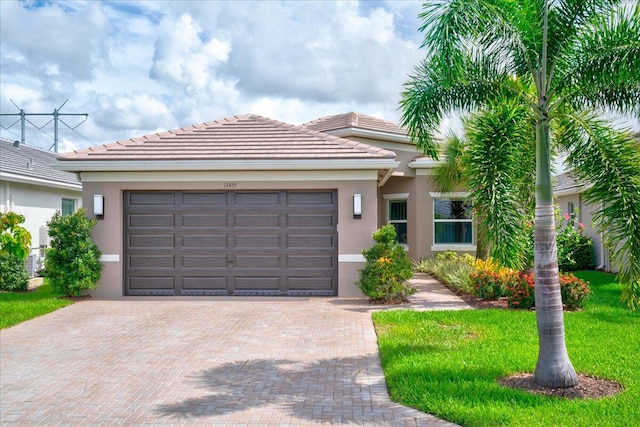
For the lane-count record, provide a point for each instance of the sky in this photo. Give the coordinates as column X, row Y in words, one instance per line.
column 138, row 67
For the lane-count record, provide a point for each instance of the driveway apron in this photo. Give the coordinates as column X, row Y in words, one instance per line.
column 253, row 362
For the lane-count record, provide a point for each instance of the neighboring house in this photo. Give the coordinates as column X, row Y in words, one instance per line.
column 252, row 206
column 31, row 187
column 571, row 202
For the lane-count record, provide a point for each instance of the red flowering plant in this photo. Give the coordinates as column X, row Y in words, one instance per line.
column 575, row 292
column 521, row 291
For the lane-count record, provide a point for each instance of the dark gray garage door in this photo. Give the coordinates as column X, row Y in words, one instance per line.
column 230, row 243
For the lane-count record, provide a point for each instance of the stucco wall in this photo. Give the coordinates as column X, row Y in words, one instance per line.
column 585, row 216
column 353, row 234
column 37, row 203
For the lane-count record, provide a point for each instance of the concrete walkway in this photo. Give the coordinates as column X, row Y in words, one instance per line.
column 218, row 362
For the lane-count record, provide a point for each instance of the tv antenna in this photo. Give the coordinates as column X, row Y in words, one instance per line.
column 56, row 118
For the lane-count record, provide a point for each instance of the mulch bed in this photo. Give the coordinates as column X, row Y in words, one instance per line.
column 588, row 387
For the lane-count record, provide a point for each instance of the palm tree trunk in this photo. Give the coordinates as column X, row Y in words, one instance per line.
column 553, row 368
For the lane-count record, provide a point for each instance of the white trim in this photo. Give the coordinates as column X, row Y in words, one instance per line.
column 424, row 163
column 228, row 176
column 39, row 181
column 452, row 195
column 577, row 189
column 351, row 258
column 224, row 165
column 110, row 258
column 451, row 247
column 371, row 134
column 386, row 177
column 396, row 196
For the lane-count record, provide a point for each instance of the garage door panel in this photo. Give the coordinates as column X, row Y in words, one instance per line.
column 305, row 199
column 166, row 199
column 218, row 261
column 142, row 221
column 140, row 241
column 257, row 199
column 205, row 221
column 311, row 220
column 151, row 261
column 204, row 242
column 311, row 261
column 204, row 282
column 152, row 283
column 309, row 242
column 255, row 241
column 262, row 220
column 235, row 243
column 191, row 199
column 257, row 261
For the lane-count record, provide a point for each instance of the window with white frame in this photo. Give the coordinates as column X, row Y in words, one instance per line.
column 397, row 216
column 453, row 224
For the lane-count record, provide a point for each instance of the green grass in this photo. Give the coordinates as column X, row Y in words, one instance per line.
column 447, row 363
column 16, row 307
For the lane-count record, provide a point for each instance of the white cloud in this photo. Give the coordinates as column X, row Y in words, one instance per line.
column 139, row 66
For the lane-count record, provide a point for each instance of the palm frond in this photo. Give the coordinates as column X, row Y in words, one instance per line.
column 449, row 174
column 609, row 160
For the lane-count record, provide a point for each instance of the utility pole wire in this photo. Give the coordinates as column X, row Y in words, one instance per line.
column 56, row 114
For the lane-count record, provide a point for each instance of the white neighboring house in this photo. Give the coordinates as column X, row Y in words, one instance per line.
column 31, row 187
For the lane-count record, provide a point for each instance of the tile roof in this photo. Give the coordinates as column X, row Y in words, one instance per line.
column 355, row 120
column 245, row 137
column 32, row 163
column 566, row 181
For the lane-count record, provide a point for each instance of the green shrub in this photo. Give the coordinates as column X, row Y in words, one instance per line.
column 574, row 291
column 387, row 268
column 520, row 291
column 73, row 260
column 490, row 279
column 575, row 251
column 14, row 239
column 13, row 273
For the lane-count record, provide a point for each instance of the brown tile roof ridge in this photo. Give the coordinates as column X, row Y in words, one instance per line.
column 355, row 120
column 170, row 135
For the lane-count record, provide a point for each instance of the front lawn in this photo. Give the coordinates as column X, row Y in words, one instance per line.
column 16, row 307
column 446, row 363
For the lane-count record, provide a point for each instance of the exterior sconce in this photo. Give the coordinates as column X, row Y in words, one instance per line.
column 357, row 206
column 98, row 205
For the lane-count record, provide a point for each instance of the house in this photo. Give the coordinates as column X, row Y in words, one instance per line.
column 251, row 206
column 29, row 185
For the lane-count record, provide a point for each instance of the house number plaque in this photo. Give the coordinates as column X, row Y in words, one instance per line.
column 230, row 185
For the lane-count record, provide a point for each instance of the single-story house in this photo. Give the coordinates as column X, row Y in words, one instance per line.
column 29, row 185
column 251, row 206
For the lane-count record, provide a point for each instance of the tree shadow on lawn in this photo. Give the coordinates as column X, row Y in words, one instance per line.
column 338, row 390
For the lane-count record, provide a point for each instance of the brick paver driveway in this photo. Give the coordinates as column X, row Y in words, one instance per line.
column 199, row 362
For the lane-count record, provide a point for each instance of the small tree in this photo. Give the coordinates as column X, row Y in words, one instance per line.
column 15, row 243
column 73, row 260
column 386, row 269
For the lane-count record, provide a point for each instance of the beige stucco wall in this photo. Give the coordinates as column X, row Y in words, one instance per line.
column 353, row 234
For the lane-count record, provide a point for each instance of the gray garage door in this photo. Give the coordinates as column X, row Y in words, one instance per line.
column 230, row 243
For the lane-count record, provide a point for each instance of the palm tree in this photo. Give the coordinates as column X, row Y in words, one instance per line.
column 582, row 58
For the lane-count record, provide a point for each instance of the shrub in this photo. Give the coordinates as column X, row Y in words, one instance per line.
column 13, row 273
column 14, row 239
column 520, row 292
column 490, row 279
column 574, row 291
column 73, row 260
column 450, row 268
column 387, row 268
column 575, row 251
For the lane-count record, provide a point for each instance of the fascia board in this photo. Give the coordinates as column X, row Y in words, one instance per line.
column 424, row 164
column 199, row 165
column 39, row 181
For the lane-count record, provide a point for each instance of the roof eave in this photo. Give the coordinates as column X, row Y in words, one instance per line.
column 207, row 165
column 371, row 134
column 39, row 181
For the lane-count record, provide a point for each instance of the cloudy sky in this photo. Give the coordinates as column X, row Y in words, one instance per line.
column 141, row 66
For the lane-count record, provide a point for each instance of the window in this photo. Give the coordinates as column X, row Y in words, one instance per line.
column 397, row 215
column 452, row 221
column 68, row 206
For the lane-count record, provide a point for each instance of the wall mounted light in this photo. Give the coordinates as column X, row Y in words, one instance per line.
column 357, row 206
column 98, row 205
